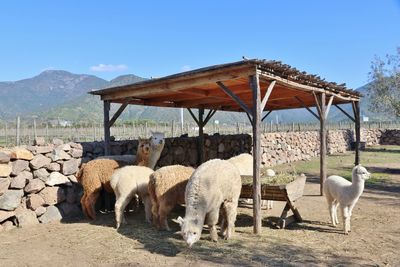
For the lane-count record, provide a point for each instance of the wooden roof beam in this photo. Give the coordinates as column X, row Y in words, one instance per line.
column 175, row 86
column 267, row 95
column 234, row 97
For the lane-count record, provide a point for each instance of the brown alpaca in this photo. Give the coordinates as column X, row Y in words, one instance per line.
column 167, row 189
column 96, row 175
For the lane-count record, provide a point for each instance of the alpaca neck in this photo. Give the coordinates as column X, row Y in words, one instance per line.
column 141, row 160
column 154, row 157
column 357, row 186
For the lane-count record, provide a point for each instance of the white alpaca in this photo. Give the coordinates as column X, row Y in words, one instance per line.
column 339, row 191
column 126, row 183
column 213, row 184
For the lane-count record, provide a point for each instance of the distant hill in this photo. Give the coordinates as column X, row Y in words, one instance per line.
column 49, row 89
column 60, row 94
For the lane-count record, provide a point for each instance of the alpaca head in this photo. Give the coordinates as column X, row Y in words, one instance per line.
column 361, row 173
column 144, row 146
column 157, row 139
column 190, row 229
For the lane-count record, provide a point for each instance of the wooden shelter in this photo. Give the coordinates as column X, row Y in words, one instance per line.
column 253, row 86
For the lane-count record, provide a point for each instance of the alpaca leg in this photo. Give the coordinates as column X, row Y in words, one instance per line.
column 351, row 213
column 231, row 212
column 212, row 220
column 224, row 220
column 331, row 208
column 270, row 204
column 83, row 204
column 351, row 208
column 155, row 210
column 335, row 206
column 264, row 204
column 346, row 219
column 147, row 208
column 91, row 202
column 163, row 212
column 120, row 205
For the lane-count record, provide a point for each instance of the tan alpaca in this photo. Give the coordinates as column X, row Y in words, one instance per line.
column 96, row 174
column 167, row 189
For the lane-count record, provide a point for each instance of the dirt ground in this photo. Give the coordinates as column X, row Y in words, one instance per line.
column 374, row 240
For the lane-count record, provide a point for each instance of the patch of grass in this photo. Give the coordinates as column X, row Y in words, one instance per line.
column 342, row 164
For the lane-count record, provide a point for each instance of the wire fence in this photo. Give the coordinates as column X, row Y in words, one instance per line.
column 25, row 132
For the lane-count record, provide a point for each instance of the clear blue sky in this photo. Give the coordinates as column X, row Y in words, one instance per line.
column 334, row 39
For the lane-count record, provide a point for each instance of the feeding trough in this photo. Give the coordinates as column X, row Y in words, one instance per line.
column 288, row 192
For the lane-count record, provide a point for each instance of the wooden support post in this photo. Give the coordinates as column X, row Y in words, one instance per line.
column 107, row 106
column 356, row 110
column 255, row 86
column 200, row 145
column 321, row 107
column 201, row 122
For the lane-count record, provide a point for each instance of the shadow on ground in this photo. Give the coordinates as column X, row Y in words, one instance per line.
column 244, row 249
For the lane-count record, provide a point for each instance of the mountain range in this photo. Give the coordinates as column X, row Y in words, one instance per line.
column 58, row 94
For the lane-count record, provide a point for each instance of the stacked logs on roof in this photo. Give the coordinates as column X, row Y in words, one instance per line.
column 290, row 73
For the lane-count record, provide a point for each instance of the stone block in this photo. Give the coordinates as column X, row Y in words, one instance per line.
column 4, row 215
column 54, row 167
column 57, row 142
column 39, row 141
column 18, row 166
column 34, row 186
column 40, row 211
column 76, row 153
column 20, row 181
column 4, row 158
column 21, row 153
column 11, row 199
column 71, row 166
column 26, row 218
column 56, row 178
column 52, row 214
column 5, row 169
column 59, row 154
column 4, row 184
column 41, row 173
column 34, row 201
column 39, row 161
column 52, row 195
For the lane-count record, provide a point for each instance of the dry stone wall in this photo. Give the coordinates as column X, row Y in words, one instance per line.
column 279, row 148
column 37, row 183
column 181, row 150
column 381, row 136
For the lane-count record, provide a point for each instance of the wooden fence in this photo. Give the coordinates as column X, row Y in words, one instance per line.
column 24, row 132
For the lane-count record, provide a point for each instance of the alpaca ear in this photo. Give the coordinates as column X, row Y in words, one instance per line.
column 179, row 220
